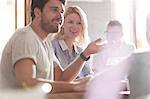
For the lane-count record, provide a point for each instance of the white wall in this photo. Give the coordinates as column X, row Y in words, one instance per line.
column 98, row 14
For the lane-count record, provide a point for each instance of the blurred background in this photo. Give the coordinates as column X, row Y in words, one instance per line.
column 131, row 13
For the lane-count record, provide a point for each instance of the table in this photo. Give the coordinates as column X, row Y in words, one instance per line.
column 125, row 94
column 67, row 95
column 78, row 95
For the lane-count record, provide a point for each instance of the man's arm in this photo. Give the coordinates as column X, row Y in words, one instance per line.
column 25, row 71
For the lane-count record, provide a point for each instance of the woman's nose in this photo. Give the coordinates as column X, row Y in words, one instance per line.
column 75, row 27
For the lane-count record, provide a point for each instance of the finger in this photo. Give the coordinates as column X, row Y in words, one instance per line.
column 80, row 87
column 85, row 80
column 98, row 40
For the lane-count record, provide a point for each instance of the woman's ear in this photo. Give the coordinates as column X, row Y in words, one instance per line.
column 37, row 13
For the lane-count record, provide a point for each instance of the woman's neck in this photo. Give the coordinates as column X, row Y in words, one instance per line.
column 69, row 43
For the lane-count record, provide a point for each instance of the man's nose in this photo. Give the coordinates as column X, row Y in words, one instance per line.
column 60, row 16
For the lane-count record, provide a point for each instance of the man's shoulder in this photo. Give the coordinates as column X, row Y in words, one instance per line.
column 26, row 29
column 26, row 33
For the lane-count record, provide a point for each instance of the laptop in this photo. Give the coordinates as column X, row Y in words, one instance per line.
column 139, row 75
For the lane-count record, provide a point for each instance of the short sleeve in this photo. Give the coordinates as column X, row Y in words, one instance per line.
column 24, row 46
column 56, row 61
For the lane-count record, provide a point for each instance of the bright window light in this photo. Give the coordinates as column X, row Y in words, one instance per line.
column 122, row 12
column 88, row 0
column 142, row 10
column 20, row 13
column 8, row 19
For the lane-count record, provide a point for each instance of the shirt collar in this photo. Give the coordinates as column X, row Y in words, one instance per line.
column 64, row 46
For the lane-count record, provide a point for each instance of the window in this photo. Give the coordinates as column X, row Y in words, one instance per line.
column 122, row 11
column 142, row 9
column 132, row 14
column 12, row 17
column 7, row 21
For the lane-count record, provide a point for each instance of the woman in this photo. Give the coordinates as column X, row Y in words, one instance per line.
column 72, row 39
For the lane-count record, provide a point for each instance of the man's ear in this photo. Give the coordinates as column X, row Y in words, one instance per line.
column 37, row 13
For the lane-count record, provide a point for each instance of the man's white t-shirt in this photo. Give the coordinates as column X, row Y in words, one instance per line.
column 25, row 43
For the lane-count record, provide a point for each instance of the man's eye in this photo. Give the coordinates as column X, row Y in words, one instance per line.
column 79, row 23
column 54, row 10
column 70, row 21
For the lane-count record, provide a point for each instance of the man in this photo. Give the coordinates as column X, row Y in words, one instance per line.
column 116, row 49
column 113, row 67
column 28, row 57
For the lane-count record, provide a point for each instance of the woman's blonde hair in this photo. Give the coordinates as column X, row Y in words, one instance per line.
column 83, row 39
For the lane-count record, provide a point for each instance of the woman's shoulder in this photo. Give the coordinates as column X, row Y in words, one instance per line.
column 80, row 49
column 55, row 42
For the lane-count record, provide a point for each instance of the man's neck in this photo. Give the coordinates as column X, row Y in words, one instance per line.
column 37, row 29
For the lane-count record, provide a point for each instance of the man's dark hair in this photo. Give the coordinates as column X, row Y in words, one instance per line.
column 114, row 23
column 40, row 4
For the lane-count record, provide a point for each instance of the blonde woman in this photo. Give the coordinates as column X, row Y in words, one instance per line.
column 72, row 39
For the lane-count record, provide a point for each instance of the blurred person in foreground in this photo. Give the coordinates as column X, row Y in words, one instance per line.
column 139, row 73
column 112, row 67
column 72, row 39
column 28, row 58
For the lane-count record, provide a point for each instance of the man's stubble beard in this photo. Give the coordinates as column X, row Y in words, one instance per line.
column 50, row 27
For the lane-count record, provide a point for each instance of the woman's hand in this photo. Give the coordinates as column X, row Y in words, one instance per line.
column 81, row 83
column 93, row 48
